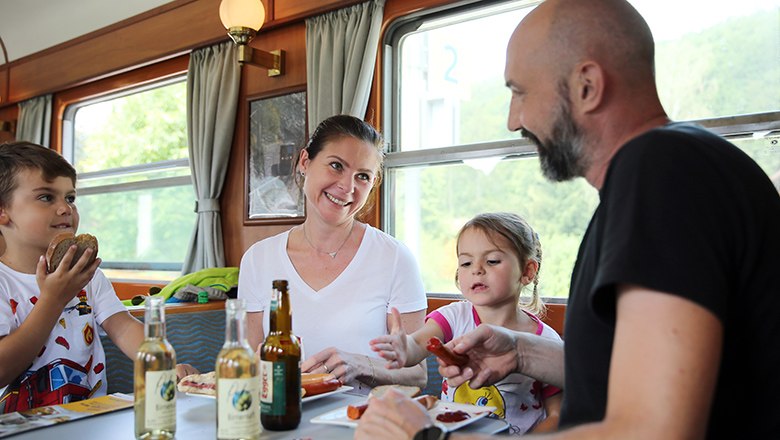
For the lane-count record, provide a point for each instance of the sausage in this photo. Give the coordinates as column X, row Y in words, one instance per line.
column 354, row 412
column 309, row 378
column 314, row 384
column 444, row 353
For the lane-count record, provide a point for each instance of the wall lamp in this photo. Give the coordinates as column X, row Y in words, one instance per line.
column 242, row 19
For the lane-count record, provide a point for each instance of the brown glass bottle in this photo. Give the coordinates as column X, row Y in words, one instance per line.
column 280, row 366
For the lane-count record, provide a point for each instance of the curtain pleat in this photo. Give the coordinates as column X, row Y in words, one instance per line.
column 35, row 120
column 213, row 80
column 341, row 49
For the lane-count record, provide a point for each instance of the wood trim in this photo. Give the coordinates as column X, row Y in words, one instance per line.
column 139, row 41
column 174, row 308
column 126, row 290
column 285, row 11
column 135, row 78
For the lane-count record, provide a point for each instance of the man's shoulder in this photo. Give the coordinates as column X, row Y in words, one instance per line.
column 675, row 134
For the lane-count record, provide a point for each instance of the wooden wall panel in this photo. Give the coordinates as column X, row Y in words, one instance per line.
column 285, row 9
column 185, row 25
column 255, row 82
column 4, row 86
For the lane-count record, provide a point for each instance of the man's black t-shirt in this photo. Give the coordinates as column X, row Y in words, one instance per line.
column 685, row 212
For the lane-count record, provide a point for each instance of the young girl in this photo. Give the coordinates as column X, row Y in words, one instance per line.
column 498, row 255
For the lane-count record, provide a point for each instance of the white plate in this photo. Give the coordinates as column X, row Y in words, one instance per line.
column 341, row 389
column 339, row 416
column 207, row 396
column 475, row 413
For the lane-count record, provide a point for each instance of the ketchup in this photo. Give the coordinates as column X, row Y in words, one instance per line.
column 452, row 416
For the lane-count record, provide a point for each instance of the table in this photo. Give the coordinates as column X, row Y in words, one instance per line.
column 196, row 419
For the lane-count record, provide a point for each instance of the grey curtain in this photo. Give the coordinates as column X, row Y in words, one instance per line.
column 341, row 49
column 213, row 79
column 35, row 120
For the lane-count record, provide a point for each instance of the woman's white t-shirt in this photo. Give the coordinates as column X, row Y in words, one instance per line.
column 352, row 309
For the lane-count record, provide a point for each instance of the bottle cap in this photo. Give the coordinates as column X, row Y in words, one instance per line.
column 203, row 297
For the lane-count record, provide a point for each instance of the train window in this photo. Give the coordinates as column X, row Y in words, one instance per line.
column 134, row 190
column 450, row 155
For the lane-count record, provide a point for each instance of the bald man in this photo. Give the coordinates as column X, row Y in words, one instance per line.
column 673, row 318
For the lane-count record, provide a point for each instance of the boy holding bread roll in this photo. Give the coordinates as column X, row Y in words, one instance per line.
column 51, row 311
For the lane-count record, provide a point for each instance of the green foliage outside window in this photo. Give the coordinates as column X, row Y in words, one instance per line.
column 712, row 73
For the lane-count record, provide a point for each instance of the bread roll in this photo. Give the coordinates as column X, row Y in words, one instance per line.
column 62, row 242
column 408, row 390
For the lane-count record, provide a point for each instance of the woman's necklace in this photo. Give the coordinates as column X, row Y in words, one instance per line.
column 331, row 254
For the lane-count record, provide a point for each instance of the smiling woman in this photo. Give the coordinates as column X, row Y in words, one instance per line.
column 344, row 275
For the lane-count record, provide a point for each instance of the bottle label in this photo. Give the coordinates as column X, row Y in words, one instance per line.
column 273, row 398
column 237, row 408
column 160, row 390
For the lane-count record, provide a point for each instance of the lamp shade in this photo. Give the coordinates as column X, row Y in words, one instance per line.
column 242, row 13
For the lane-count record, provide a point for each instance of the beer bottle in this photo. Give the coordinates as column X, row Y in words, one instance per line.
column 280, row 361
column 238, row 381
column 155, row 377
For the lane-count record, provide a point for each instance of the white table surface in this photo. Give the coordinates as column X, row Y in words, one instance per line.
column 196, row 419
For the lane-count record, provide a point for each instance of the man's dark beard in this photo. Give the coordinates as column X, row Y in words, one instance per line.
column 561, row 157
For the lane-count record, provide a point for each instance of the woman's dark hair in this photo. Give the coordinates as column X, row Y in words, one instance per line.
column 340, row 126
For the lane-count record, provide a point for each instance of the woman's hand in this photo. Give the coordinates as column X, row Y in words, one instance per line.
column 183, row 370
column 347, row 367
column 393, row 416
column 393, row 347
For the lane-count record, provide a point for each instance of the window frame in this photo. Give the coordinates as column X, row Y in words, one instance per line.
column 65, row 105
column 731, row 127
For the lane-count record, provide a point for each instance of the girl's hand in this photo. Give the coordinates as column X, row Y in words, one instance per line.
column 393, row 347
column 66, row 282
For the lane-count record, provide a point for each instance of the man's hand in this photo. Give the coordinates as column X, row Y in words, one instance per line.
column 492, row 353
column 393, row 416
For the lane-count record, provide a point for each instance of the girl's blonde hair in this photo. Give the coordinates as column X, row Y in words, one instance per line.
column 525, row 244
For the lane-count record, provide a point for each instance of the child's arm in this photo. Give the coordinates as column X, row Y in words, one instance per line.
column 552, row 406
column 125, row 331
column 19, row 348
column 128, row 334
column 400, row 349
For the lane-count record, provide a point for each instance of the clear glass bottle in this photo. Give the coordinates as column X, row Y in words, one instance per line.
column 280, row 360
column 238, row 379
column 155, row 377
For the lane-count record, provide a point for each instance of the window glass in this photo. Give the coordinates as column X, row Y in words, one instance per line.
column 718, row 60
column 452, row 79
column 433, row 202
column 139, row 128
column 134, row 191
column 451, row 155
column 765, row 150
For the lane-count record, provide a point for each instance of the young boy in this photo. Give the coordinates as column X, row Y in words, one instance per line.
column 50, row 352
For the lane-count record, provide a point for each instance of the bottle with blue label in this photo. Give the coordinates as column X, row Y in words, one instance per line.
column 155, row 377
column 238, row 380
